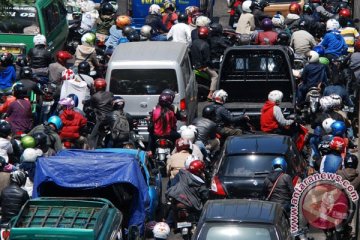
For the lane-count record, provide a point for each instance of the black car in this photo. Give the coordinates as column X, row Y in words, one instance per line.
column 242, row 219
column 246, row 161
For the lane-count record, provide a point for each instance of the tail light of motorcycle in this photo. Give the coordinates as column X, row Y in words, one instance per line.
column 183, row 110
column 162, row 143
column 5, row 234
column 217, row 187
column 182, row 215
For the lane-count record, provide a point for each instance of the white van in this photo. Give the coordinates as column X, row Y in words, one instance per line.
column 140, row 71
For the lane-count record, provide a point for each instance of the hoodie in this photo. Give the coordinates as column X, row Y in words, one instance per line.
column 283, row 190
column 72, row 122
column 87, row 53
column 352, row 175
column 271, row 117
column 334, row 44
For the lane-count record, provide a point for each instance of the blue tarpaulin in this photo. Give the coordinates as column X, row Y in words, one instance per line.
column 91, row 169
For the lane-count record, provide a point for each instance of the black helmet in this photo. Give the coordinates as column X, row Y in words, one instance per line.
column 216, row 28
column 183, row 18
column 5, row 129
column 6, row 59
column 127, row 31
column 84, row 68
column 40, row 139
column 107, row 9
column 169, row 91
column 283, row 39
column 209, row 112
column 19, row 90
column 26, row 72
column 2, row 163
column 307, row 8
column 134, row 36
column 18, row 177
column 118, row 103
column 303, row 25
column 351, row 161
column 340, row 6
column 262, row 4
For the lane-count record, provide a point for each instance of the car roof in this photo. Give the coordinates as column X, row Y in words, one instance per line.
column 258, row 143
column 241, row 210
column 149, row 51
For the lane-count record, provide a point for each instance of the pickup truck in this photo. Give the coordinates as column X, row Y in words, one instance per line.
column 248, row 73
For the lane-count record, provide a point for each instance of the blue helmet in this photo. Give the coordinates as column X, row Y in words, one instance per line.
column 338, row 128
column 279, row 162
column 74, row 98
column 56, row 121
column 319, row 49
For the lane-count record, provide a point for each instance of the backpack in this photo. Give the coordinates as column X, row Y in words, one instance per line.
column 120, row 128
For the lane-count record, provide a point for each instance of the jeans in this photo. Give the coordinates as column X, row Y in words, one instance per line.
column 159, row 37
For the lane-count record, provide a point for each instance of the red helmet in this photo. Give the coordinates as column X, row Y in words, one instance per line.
column 357, row 46
column 196, row 167
column 203, row 32
column 62, row 56
column 295, row 8
column 100, row 84
column 183, row 144
column 337, row 144
column 345, row 13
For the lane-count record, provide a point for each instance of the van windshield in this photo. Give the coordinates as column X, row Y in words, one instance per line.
column 19, row 19
column 142, row 81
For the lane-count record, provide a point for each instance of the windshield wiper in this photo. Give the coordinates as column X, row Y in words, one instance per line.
column 261, row 173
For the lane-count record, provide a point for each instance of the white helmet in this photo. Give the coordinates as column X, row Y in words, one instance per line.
column 326, row 124
column 145, row 31
column 154, row 9
column 325, row 103
column 220, row 96
column 202, row 21
column 161, row 230
column 88, row 39
column 313, row 57
column 39, row 39
column 278, row 20
column 30, row 155
column 87, row 6
column 189, row 160
column 188, row 132
column 247, row 6
column 275, row 96
column 336, row 101
column 332, row 25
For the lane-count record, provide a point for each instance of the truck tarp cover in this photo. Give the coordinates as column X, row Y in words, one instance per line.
column 82, row 169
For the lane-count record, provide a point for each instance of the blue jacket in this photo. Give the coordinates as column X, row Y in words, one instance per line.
column 7, row 77
column 313, row 74
column 331, row 163
column 334, row 43
column 341, row 91
column 114, row 37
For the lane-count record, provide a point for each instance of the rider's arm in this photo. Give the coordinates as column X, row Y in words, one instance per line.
column 280, row 117
column 323, row 12
column 228, row 118
column 57, row 143
column 289, row 184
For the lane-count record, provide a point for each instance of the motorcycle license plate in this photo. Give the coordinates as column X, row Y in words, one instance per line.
column 183, row 224
column 48, row 103
column 163, row 150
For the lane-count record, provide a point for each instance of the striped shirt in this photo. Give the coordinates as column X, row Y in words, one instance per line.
column 350, row 34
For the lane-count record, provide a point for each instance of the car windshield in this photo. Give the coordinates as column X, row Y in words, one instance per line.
column 215, row 231
column 247, row 165
column 142, row 81
column 19, row 19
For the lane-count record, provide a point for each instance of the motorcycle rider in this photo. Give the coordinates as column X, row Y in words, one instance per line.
column 105, row 20
column 258, row 12
column 218, row 42
column 181, row 31
column 338, row 88
column 41, row 144
column 347, row 30
column 200, row 54
column 30, row 84
column 332, row 161
column 201, row 21
column 189, row 133
column 283, row 39
column 161, row 231
column 350, row 171
column 278, row 22
column 235, row 11
column 333, row 42
column 268, row 36
column 301, row 40
column 145, row 33
column 176, row 161
column 5, row 144
column 7, row 72
column 13, row 197
column 272, row 120
column 169, row 17
column 154, row 20
column 84, row 75
column 292, row 20
column 319, row 8
column 56, row 69
column 223, row 117
column 117, row 33
column 86, row 51
column 278, row 184
column 89, row 16
column 246, row 23
column 39, row 57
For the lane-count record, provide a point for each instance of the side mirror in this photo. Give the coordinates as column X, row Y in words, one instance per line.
column 134, row 233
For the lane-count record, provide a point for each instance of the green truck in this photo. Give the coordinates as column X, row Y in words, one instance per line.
column 67, row 218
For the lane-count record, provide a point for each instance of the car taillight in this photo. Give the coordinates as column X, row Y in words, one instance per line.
column 182, row 105
column 5, row 234
column 216, row 186
column 162, row 143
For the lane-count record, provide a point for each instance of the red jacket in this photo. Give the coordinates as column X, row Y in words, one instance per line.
column 267, row 119
column 169, row 19
column 266, row 38
column 170, row 121
column 72, row 122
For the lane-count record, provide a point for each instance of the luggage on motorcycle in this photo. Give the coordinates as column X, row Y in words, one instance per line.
column 120, row 128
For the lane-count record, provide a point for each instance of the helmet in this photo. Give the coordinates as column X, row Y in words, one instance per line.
column 145, row 31
column 2, row 163
column 247, row 6
column 165, row 100
column 134, row 36
column 307, row 8
column 202, row 21
column 74, row 98
column 209, row 112
column 19, row 90
column 283, row 39
column 337, row 144
column 338, row 128
column 161, row 230
column 357, row 46
column 6, row 59
column 275, row 96
column 295, row 8
column 303, row 25
column 39, row 40
column 203, row 32
column 67, row 74
column 196, row 167
column 266, row 24
column 56, row 121
column 40, row 139
column 127, row 30
column 123, row 21
column 155, row 9
column 5, row 128
column 261, row 4
column 84, row 68
column 326, row 124
column 345, row 13
column 220, row 96
column 325, row 103
column 319, row 49
column 118, row 103
column 30, row 155
column 183, row 18
column 18, row 177
column 336, row 101
column 279, row 162
column 169, row 91
column 107, row 9
column 191, row 10
column 188, row 132
column 278, row 20
column 26, row 72
column 88, row 39
column 313, row 57
column 351, row 161
column 63, row 56
column 28, row 142
column 324, row 60
column 195, row 16
column 169, row 5
column 100, row 84
column 183, row 144
column 68, row 103
column 216, row 28
column 332, row 25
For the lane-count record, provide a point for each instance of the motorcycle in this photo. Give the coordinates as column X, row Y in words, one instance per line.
column 163, row 150
column 186, row 220
column 312, row 104
column 75, row 34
